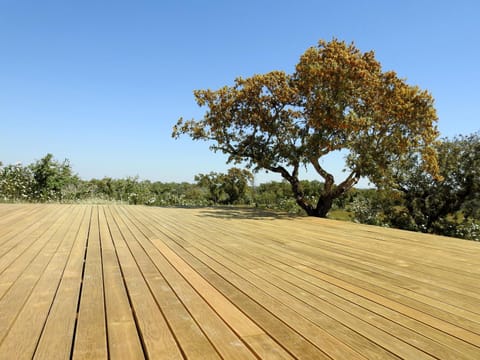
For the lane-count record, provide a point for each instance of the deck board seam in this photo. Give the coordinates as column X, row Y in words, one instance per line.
column 116, row 219
column 80, row 291
column 60, row 281
column 254, row 300
column 132, row 309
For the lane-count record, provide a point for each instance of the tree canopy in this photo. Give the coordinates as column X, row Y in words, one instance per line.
column 229, row 188
column 431, row 205
column 338, row 98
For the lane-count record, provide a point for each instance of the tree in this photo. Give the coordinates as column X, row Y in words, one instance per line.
column 51, row 178
column 15, row 182
column 227, row 188
column 212, row 186
column 337, row 99
column 235, row 184
column 429, row 205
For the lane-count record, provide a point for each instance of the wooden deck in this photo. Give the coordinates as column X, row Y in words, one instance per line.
column 131, row 282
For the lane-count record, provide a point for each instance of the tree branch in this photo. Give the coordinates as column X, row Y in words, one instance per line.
column 280, row 170
column 329, row 179
column 295, row 170
column 348, row 183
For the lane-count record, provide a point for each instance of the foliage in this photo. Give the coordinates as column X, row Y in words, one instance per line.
column 431, row 204
column 458, row 192
column 174, row 194
column 15, row 182
column 51, row 178
column 275, row 195
column 449, row 206
column 279, row 196
column 230, row 188
column 337, row 99
column 469, row 230
column 45, row 180
column 365, row 211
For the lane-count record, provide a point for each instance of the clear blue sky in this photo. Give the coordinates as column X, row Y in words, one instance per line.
column 102, row 82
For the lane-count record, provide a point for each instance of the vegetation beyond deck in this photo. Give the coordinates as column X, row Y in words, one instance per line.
column 128, row 282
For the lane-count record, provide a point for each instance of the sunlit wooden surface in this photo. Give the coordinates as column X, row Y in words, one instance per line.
column 132, row 282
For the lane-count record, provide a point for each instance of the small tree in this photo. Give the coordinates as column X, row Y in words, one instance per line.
column 432, row 205
column 337, row 99
column 212, row 186
column 236, row 184
column 229, row 188
column 50, row 178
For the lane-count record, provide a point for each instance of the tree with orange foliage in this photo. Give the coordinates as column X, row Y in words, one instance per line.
column 337, row 99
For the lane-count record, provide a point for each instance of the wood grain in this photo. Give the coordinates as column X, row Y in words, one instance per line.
column 134, row 282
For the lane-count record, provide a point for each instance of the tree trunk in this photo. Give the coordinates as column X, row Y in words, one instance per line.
column 299, row 196
column 305, row 206
column 325, row 200
column 324, row 205
column 321, row 210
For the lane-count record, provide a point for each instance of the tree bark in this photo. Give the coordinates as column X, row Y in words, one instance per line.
column 324, row 204
column 326, row 198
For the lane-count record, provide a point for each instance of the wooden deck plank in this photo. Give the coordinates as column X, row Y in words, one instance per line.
column 377, row 271
column 22, row 338
column 243, row 325
column 279, row 331
column 434, row 251
column 456, row 303
column 216, row 230
column 431, row 308
column 229, row 283
column 56, row 341
column 327, row 333
column 91, row 332
column 123, row 339
column 219, row 334
column 28, row 245
column 355, row 249
column 315, row 334
column 11, row 220
column 21, row 240
column 157, row 339
column 424, row 284
column 372, row 251
column 376, row 313
column 14, row 299
column 282, row 334
column 324, row 266
column 448, row 313
column 404, row 343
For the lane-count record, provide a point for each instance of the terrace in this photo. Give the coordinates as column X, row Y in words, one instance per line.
column 132, row 282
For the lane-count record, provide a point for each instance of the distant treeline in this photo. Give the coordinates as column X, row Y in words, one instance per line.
column 450, row 207
column 51, row 180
